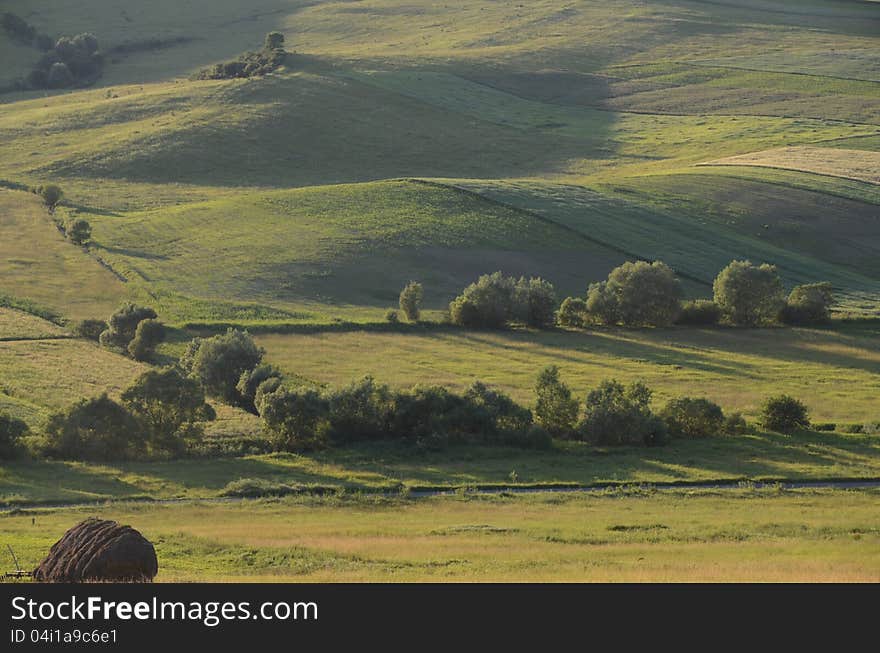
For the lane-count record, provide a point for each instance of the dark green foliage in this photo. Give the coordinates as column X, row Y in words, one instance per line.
column 71, row 61
column 124, row 323
column 824, row 426
column 494, row 300
column 218, row 363
column 95, row 429
column 17, row 28
column 808, row 304
column 410, row 300
column 555, row 409
column 11, row 431
column 636, row 294
column 251, row 380
column 90, row 329
column 734, row 424
column 266, row 388
column 784, row 413
column 534, row 302
column 295, row 420
column 502, row 418
column 250, row 64
column 51, row 194
column 360, row 411
column 618, row 415
column 699, row 312
column 78, row 231
column 391, row 316
column 693, row 418
column 851, row 428
column 748, row 294
column 572, row 312
column 274, row 41
column 147, row 336
column 171, row 407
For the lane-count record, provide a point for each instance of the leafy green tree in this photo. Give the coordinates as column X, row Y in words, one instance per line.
column 809, row 304
column 618, row 415
column 78, row 231
column 503, row 416
column 51, row 195
column 486, row 303
column 555, row 409
column 748, row 294
column 59, row 76
column 90, row 328
column 147, row 336
column 218, row 363
column 636, row 294
column 251, row 380
column 361, row 411
column 171, row 406
column 274, row 41
column 11, row 431
column 295, row 419
column 572, row 312
column 783, row 413
column 95, row 429
column 411, row 300
column 534, row 302
column 123, row 325
column 688, row 417
column 699, row 312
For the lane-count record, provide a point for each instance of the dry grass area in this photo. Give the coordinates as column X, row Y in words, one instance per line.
column 861, row 165
column 15, row 325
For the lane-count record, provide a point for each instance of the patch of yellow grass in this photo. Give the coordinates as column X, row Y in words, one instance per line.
column 861, row 165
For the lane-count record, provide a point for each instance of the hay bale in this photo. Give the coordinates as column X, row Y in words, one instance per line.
column 99, row 550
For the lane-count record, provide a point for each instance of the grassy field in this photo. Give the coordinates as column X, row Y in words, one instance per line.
column 745, row 535
column 862, row 165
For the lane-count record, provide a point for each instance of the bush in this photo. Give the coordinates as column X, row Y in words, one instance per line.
column 555, row 409
column 572, row 312
column 218, row 363
column 693, row 418
column 250, row 64
column 615, row 415
column 784, row 414
column 808, row 304
column 90, row 329
column 123, row 325
column 423, row 411
column 534, row 302
column 851, row 428
column 699, row 312
column 825, row 426
column 361, row 411
column 147, row 336
column 59, row 76
column 257, row 487
column 503, row 418
column 486, row 303
column 410, row 300
column 171, row 407
column 735, row 424
column 11, row 431
column 250, row 382
column 95, row 429
column 51, row 195
column 295, row 420
column 391, row 316
column 749, row 295
column 274, row 40
column 78, row 231
column 636, row 294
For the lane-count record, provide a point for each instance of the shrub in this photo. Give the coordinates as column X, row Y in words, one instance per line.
column 274, row 40
column 123, row 325
column 90, row 329
column 851, row 428
column 615, row 415
column 147, row 336
column 171, row 407
column 503, row 417
column 734, row 424
column 699, row 312
column 784, row 413
column 636, row 294
column 572, row 312
column 693, row 418
column 486, row 303
column 95, row 429
column 218, row 363
column 257, row 487
column 266, row 388
column 11, row 431
column 410, row 300
column 51, row 195
column 423, row 411
column 825, row 426
column 747, row 294
column 251, row 380
column 59, row 76
column 808, row 304
column 360, row 411
column 534, row 302
column 295, row 419
column 555, row 409
column 250, row 64
column 391, row 316
column 78, row 231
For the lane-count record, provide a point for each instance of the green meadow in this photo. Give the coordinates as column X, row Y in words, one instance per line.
column 437, row 142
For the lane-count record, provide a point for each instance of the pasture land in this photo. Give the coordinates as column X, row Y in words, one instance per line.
column 861, row 165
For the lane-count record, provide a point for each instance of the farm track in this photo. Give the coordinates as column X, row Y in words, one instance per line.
column 428, row 492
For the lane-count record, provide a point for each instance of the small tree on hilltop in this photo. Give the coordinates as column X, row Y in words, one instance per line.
column 411, row 300
column 78, row 231
column 748, row 294
column 555, row 409
column 784, row 413
column 51, row 194
column 274, row 41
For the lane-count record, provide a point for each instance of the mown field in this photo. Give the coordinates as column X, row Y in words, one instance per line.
column 740, row 535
